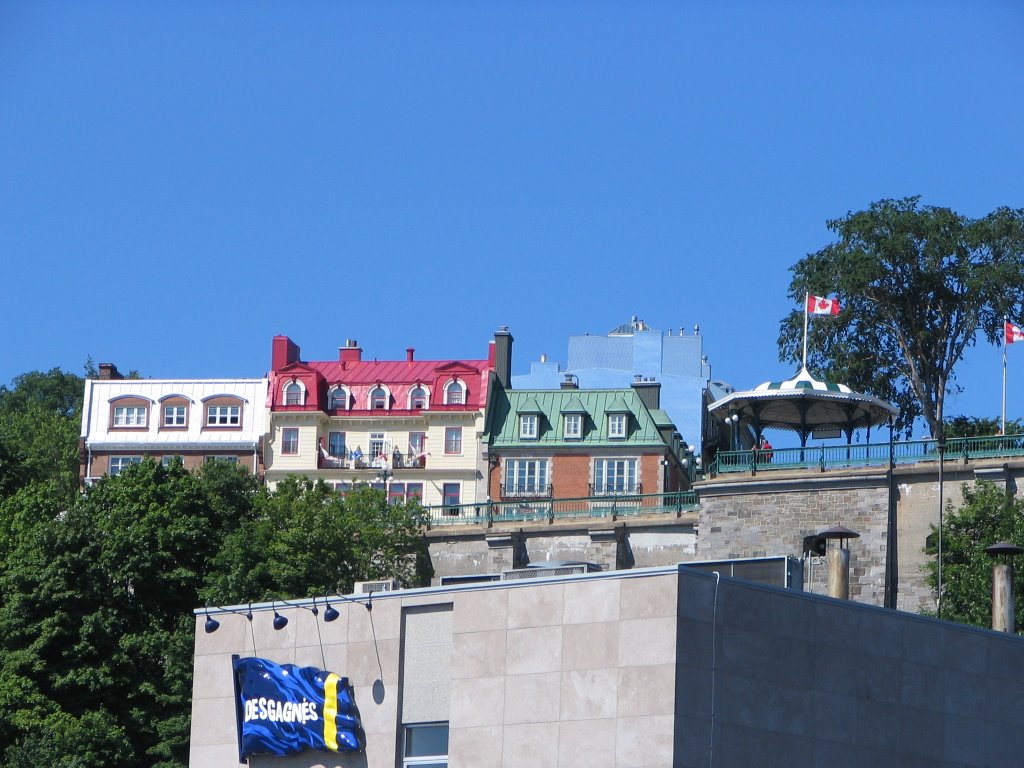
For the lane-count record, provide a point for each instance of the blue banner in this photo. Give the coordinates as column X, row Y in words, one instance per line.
column 283, row 709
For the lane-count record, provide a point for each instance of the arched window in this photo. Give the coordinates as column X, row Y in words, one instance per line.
column 378, row 398
column 294, row 393
column 418, row 398
column 338, row 399
column 454, row 393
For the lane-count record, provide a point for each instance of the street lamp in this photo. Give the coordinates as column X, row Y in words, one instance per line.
column 731, row 420
column 941, row 445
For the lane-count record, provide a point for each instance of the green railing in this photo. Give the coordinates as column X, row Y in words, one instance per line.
column 823, row 457
column 556, row 510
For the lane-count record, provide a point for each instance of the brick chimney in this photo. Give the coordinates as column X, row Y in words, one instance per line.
column 109, row 372
column 351, row 352
column 569, row 381
column 503, row 356
column 284, row 352
column 409, row 352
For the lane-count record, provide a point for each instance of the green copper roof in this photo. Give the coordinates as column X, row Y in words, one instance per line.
column 553, row 404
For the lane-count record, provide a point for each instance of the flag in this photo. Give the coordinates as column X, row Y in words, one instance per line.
column 283, row 709
column 816, row 305
column 1013, row 332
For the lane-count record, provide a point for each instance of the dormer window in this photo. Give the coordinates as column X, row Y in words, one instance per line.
column 294, row 393
column 417, row 398
column 454, row 393
column 573, row 426
column 617, row 425
column 528, row 423
column 338, row 399
column 378, row 399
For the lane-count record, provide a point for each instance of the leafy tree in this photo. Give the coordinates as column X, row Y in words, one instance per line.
column 988, row 515
column 978, row 426
column 304, row 539
column 917, row 285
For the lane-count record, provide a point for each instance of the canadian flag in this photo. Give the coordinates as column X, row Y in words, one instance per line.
column 816, row 305
column 1013, row 332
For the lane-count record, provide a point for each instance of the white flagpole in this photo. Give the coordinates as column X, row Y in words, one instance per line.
column 1002, row 424
column 807, row 298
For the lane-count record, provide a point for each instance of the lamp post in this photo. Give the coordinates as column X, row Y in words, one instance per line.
column 941, row 446
column 731, row 421
column 384, row 475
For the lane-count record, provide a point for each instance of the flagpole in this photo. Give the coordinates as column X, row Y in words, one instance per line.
column 807, row 298
column 1002, row 424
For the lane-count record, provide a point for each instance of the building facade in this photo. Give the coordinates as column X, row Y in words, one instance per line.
column 197, row 420
column 409, row 427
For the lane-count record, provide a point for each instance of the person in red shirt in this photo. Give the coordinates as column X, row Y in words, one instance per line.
column 764, row 450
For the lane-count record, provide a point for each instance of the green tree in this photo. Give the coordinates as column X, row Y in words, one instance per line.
column 305, row 539
column 978, row 426
column 918, row 284
column 988, row 515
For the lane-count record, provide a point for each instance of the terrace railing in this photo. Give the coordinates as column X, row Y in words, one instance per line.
column 825, row 457
column 555, row 510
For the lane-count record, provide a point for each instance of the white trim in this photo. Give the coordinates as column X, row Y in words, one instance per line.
column 450, row 386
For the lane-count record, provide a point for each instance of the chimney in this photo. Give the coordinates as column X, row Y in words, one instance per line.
column 649, row 391
column 839, row 561
column 284, row 352
column 109, row 372
column 503, row 356
column 1003, row 612
column 570, row 382
column 351, row 352
column 409, row 352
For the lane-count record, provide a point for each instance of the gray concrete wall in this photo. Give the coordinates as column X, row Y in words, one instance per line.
column 772, row 678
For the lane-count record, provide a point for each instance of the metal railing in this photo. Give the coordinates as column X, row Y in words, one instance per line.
column 824, row 457
column 555, row 510
column 526, row 491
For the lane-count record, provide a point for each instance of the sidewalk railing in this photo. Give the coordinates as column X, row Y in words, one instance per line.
column 556, row 510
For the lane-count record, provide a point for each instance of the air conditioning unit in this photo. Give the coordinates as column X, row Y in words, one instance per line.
column 473, row 578
column 551, row 568
column 379, row 585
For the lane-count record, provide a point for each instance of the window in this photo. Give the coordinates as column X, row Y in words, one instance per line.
column 615, row 476
column 454, row 393
column 526, row 477
column 293, row 393
column 417, row 441
column 426, row 746
column 169, row 460
column 225, row 459
column 396, row 493
column 453, row 440
column 573, row 426
column 290, row 441
column 528, row 426
column 118, row 463
column 175, row 415
column 418, row 398
column 338, row 399
column 451, row 494
column 376, row 445
column 414, row 492
column 224, row 416
column 616, row 425
column 378, row 398
column 130, row 415
column 336, row 445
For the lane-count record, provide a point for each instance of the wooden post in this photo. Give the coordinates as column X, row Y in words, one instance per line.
column 839, row 573
column 1002, row 597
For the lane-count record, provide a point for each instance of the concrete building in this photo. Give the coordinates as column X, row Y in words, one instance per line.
column 628, row 669
column 409, row 427
column 634, row 349
column 198, row 420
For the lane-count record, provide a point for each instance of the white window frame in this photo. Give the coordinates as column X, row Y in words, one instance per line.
column 117, row 464
column 165, row 461
column 573, row 426
column 617, row 425
column 448, row 442
column 529, row 426
column 421, row 761
column 175, row 415
column 131, row 415
column 296, row 388
column 223, row 415
column 344, row 444
column 370, row 398
column 413, row 398
column 527, row 476
column 285, row 441
column 455, row 386
column 335, row 394
column 381, row 440
column 625, row 473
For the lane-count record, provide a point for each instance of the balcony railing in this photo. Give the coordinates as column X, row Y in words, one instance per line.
column 554, row 510
column 616, row 489
column 824, row 457
column 397, row 461
column 528, row 491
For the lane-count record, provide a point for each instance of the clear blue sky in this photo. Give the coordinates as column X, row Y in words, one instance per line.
column 182, row 181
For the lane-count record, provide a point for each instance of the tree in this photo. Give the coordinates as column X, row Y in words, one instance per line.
column 917, row 284
column 979, row 426
column 989, row 514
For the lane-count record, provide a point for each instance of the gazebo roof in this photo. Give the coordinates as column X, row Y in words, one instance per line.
column 803, row 404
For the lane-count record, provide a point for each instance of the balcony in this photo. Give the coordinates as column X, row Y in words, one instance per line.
column 616, row 489
column 527, row 491
column 397, row 461
column 549, row 511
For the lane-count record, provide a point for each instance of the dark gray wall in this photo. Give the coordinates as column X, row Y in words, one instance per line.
column 795, row 679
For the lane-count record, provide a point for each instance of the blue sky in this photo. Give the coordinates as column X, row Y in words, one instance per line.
column 182, row 181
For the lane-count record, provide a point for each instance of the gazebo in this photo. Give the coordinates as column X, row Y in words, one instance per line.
column 804, row 405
